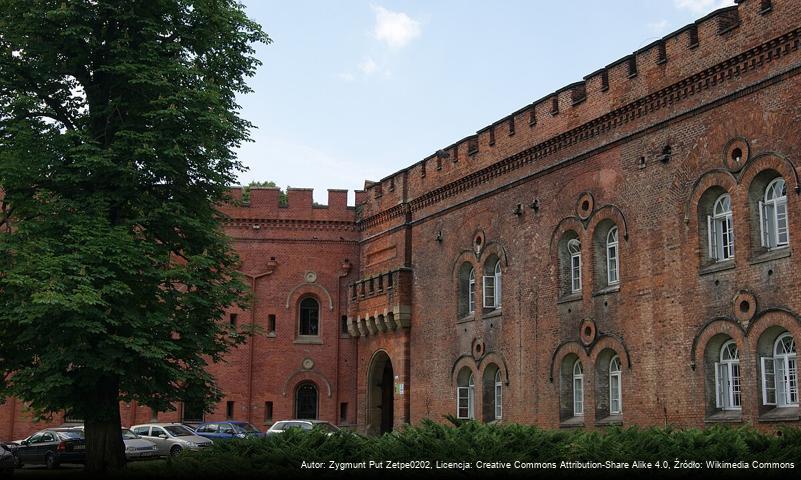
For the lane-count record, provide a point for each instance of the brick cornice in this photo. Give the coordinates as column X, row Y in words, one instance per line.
column 293, row 224
column 750, row 60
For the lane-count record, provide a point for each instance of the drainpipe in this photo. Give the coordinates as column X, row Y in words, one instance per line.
column 252, row 340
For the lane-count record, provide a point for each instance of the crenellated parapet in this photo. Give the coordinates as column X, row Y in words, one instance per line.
column 676, row 72
column 380, row 303
column 265, row 209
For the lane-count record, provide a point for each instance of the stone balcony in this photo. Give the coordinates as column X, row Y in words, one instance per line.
column 380, row 303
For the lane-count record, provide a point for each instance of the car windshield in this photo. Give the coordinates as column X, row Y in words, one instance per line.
column 245, row 428
column 129, row 435
column 178, row 431
column 71, row 435
column 326, row 427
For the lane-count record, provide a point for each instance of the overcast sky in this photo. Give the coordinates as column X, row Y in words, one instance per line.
column 355, row 90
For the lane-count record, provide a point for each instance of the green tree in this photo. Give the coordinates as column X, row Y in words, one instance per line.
column 282, row 199
column 118, row 125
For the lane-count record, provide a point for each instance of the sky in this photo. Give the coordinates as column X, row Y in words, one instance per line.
column 356, row 90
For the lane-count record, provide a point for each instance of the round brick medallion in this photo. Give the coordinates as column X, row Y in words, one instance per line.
column 307, row 364
column 744, row 306
column 478, row 348
column 478, row 242
column 310, row 277
column 735, row 154
column 587, row 332
column 585, row 205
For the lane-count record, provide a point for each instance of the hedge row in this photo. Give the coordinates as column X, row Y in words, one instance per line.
column 470, row 441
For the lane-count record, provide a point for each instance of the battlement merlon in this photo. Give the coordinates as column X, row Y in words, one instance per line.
column 266, row 203
column 679, row 55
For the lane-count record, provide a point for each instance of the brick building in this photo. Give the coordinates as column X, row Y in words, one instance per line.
column 617, row 252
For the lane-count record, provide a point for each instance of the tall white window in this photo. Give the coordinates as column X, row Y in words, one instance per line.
column 465, row 395
column 492, row 286
column 773, row 215
column 612, row 257
column 780, row 374
column 471, row 291
column 498, row 396
column 721, row 230
column 578, row 389
column 615, row 397
column 574, row 250
column 727, row 378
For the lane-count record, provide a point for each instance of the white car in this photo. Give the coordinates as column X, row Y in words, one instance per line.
column 171, row 438
column 137, row 448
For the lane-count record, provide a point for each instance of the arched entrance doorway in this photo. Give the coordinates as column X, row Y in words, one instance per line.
column 381, row 381
column 306, row 401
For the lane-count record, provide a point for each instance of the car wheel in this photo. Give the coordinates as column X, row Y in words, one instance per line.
column 50, row 461
column 175, row 450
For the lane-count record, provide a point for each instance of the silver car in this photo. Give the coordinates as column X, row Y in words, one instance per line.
column 137, row 448
column 285, row 425
column 171, row 438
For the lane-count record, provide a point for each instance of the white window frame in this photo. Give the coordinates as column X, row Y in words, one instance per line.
column 574, row 250
column 615, row 391
column 498, row 284
column 773, row 222
column 785, row 371
column 471, row 291
column 578, row 389
column 498, row 395
column 466, row 393
column 720, row 227
column 612, row 257
column 728, row 382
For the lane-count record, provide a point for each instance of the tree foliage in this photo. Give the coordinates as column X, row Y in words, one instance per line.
column 118, row 125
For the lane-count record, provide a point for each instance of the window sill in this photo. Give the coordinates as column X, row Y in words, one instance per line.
column 271, row 334
column 774, row 254
column 606, row 291
column 718, row 267
column 616, row 419
column 572, row 422
column 495, row 312
column 468, row 318
column 780, row 414
column 309, row 340
column 725, row 416
column 572, row 297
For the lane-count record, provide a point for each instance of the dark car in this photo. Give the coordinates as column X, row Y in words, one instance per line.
column 7, row 460
column 52, row 447
column 227, row 430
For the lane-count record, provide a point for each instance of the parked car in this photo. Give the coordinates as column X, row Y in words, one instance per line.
column 285, row 425
column 171, row 438
column 52, row 447
column 137, row 448
column 7, row 460
column 228, row 430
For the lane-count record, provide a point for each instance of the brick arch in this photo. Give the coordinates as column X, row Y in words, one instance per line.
column 773, row 161
column 305, row 288
column 611, row 342
column 565, row 225
column 495, row 248
column 464, row 256
column 609, row 212
column 717, row 177
column 781, row 317
column 564, row 349
column 718, row 325
column 461, row 362
column 496, row 359
column 300, row 376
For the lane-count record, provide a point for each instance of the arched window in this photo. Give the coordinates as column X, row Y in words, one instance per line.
column 615, row 395
column 498, row 396
column 306, row 401
column 492, row 283
column 465, row 394
column 721, row 230
column 773, row 215
column 309, row 321
column 727, row 378
column 780, row 374
column 612, row 257
column 471, row 291
column 578, row 389
column 574, row 250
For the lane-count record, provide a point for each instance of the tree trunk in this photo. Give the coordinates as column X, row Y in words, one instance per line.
column 105, row 450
